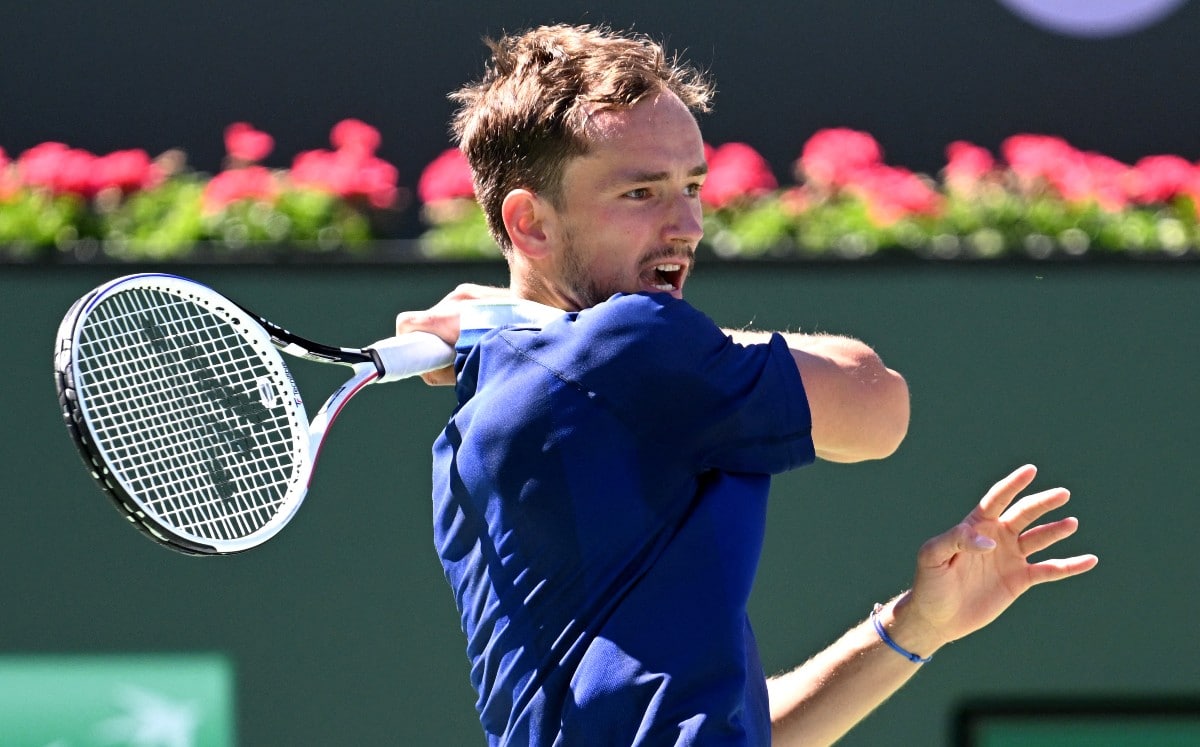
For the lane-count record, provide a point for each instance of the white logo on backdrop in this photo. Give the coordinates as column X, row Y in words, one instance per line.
column 151, row 719
column 1093, row 18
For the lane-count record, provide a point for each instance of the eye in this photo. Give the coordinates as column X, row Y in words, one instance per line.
column 693, row 190
column 641, row 193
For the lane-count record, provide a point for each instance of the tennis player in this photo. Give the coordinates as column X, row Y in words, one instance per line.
column 600, row 491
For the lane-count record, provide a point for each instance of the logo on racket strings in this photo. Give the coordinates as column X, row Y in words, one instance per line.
column 239, row 403
column 253, row 407
column 222, row 481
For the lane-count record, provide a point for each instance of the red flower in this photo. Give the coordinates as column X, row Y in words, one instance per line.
column 57, row 167
column 75, row 173
column 355, row 135
column 234, row 185
column 1044, row 160
column 246, row 145
column 126, row 170
column 66, row 170
column 376, row 180
column 39, row 166
column 894, row 193
column 967, row 165
column 352, row 170
column 316, row 169
column 1162, row 178
column 1038, row 156
column 447, row 177
column 1109, row 181
column 347, row 173
column 736, row 171
column 832, row 157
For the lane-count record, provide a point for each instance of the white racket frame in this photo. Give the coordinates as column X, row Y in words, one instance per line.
column 390, row 359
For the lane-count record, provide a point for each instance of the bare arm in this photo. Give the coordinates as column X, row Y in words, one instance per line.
column 818, row 702
column 859, row 406
column 965, row 578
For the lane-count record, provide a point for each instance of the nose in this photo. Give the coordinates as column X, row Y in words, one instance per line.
column 685, row 221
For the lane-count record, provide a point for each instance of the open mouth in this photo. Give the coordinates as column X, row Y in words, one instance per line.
column 666, row 277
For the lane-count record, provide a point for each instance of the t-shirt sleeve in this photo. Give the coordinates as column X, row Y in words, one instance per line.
column 681, row 384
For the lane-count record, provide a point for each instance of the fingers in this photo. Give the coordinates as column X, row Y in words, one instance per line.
column 1058, row 569
column 439, row 321
column 441, row 377
column 1029, row 509
column 443, row 318
column 992, row 505
column 471, row 292
column 1041, row 537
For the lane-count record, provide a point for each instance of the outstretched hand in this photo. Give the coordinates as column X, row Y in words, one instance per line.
column 970, row 574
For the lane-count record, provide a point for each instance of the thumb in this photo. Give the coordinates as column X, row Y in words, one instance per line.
column 961, row 538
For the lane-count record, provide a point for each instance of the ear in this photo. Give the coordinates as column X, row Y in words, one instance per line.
column 528, row 219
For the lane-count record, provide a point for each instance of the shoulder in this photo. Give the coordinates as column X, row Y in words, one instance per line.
column 648, row 320
column 636, row 340
column 635, row 331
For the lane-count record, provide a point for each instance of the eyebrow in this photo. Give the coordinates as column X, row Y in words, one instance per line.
column 658, row 176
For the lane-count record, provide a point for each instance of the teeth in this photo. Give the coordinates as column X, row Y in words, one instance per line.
column 663, row 271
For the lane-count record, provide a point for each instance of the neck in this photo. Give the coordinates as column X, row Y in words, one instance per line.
column 532, row 285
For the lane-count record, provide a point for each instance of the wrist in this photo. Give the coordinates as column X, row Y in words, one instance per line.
column 906, row 629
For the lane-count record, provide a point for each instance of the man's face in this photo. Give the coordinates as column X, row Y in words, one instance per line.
column 631, row 216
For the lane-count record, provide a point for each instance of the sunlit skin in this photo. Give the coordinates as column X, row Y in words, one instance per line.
column 629, row 217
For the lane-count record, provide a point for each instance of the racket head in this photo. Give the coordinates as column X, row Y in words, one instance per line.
column 184, row 413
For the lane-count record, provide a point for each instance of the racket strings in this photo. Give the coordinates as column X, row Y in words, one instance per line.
column 173, row 393
column 192, row 418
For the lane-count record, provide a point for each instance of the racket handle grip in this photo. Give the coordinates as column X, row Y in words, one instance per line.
column 409, row 354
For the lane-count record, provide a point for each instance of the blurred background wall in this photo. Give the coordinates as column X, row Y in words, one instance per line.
column 104, row 76
column 342, row 629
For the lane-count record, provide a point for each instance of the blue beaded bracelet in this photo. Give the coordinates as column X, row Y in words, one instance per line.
column 883, row 636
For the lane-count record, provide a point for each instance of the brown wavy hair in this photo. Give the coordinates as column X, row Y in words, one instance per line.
column 525, row 118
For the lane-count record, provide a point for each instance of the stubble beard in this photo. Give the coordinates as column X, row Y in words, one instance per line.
column 584, row 289
column 588, row 291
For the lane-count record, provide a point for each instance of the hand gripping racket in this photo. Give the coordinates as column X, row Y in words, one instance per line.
column 187, row 416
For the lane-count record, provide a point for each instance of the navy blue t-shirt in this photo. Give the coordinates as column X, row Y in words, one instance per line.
column 599, row 508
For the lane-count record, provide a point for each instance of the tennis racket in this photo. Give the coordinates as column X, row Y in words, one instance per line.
column 187, row 416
